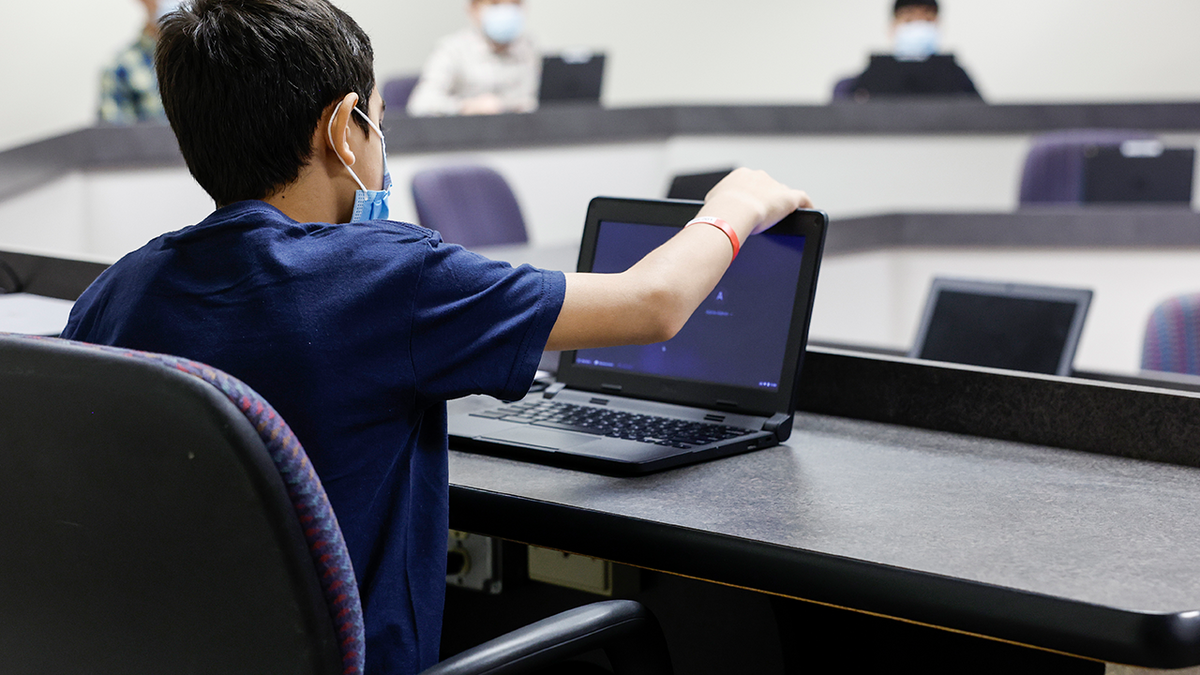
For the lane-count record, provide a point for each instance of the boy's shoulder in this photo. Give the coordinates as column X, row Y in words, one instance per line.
column 256, row 221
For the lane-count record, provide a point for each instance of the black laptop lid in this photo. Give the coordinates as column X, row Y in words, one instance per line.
column 695, row 185
column 571, row 78
column 1113, row 174
column 741, row 349
column 999, row 325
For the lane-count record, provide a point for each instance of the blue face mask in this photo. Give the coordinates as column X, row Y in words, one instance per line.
column 503, row 23
column 368, row 204
column 916, row 41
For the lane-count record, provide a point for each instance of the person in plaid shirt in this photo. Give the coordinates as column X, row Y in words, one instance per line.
column 128, row 87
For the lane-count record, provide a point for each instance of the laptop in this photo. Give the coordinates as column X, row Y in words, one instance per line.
column 571, row 77
column 726, row 384
column 695, row 185
column 1034, row 329
column 940, row 74
column 1138, row 171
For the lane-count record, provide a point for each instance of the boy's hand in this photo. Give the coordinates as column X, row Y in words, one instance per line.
column 652, row 300
column 751, row 201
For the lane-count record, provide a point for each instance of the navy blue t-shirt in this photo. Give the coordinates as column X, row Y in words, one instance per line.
column 357, row 334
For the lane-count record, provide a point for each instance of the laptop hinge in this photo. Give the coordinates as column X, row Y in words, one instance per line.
column 611, row 388
column 780, row 425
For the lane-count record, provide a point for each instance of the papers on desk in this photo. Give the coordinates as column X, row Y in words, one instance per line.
column 33, row 314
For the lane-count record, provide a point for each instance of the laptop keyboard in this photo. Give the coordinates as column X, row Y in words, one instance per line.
column 600, row 421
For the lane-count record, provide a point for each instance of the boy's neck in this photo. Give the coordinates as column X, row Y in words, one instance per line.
column 314, row 197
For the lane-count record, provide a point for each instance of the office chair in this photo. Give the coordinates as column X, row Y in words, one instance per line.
column 843, row 89
column 396, row 92
column 1054, row 167
column 1172, row 342
column 159, row 516
column 469, row 205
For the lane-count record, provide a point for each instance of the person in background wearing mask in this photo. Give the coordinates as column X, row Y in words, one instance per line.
column 916, row 65
column 490, row 67
column 128, row 88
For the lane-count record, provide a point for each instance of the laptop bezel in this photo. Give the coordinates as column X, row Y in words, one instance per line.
column 742, row 400
column 1080, row 297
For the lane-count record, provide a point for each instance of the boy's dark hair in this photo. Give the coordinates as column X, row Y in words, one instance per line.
column 245, row 82
column 901, row 4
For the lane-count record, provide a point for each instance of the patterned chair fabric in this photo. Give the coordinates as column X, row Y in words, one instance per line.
column 1054, row 167
column 317, row 520
column 1172, row 342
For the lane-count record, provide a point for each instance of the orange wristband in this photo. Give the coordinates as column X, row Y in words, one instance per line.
column 724, row 227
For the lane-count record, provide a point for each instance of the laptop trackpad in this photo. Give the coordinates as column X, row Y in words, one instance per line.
column 537, row 437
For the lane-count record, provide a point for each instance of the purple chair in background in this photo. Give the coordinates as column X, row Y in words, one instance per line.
column 1054, row 167
column 1172, row 342
column 469, row 205
column 161, row 517
column 396, row 92
column 844, row 89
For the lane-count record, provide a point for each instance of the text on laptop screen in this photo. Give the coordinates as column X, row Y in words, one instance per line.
column 996, row 331
column 737, row 336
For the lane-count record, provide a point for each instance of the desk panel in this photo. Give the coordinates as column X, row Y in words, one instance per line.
column 855, row 159
column 961, row 538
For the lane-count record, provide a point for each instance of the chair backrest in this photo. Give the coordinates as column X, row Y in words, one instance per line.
column 843, row 90
column 469, row 205
column 1172, row 342
column 1054, row 167
column 396, row 92
column 159, row 516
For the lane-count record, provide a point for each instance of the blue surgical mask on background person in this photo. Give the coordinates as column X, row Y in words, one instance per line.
column 368, row 204
column 503, row 22
column 916, row 40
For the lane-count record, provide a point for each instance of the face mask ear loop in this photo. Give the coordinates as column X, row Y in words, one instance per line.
column 329, row 132
column 387, row 178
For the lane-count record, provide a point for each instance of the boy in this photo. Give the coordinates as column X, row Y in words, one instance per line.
column 359, row 330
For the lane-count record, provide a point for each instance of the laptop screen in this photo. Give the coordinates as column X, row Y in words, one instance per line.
column 1110, row 175
column 571, row 78
column 739, row 334
column 1013, row 326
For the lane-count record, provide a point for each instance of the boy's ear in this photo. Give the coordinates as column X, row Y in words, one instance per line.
column 338, row 128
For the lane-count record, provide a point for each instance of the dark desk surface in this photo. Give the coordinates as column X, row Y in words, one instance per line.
column 1074, row 550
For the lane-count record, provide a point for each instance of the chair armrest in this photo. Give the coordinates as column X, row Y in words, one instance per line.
column 627, row 632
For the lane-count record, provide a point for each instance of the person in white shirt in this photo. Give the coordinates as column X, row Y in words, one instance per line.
column 490, row 67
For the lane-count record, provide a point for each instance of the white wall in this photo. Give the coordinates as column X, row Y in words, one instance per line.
column 686, row 51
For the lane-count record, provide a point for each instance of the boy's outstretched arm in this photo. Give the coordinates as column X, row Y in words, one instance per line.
column 652, row 300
